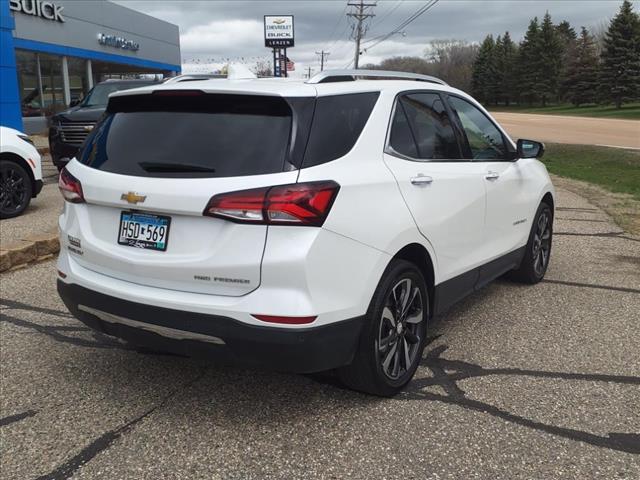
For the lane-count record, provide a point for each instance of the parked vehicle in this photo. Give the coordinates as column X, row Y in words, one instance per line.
column 68, row 129
column 20, row 172
column 297, row 226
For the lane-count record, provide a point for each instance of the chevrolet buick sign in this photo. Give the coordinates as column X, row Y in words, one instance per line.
column 38, row 8
column 278, row 31
column 118, row 42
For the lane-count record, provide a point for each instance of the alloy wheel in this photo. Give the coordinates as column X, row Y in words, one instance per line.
column 399, row 335
column 13, row 189
column 542, row 243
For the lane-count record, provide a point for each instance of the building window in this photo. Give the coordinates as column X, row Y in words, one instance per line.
column 78, row 82
column 28, row 81
column 52, row 86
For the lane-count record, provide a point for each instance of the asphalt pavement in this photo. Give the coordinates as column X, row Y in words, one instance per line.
column 517, row 382
column 607, row 132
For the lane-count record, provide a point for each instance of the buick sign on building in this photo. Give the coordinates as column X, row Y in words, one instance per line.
column 54, row 51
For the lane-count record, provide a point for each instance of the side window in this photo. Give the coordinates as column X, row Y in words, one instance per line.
column 485, row 140
column 401, row 138
column 337, row 124
column 429, row 126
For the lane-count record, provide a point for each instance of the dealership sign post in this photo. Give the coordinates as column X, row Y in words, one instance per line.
column 278, row 35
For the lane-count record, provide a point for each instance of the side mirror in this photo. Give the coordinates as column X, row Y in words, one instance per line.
column 73, row 103
column 530, row 149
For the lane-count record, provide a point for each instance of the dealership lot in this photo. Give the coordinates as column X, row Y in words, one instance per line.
column 517, row 382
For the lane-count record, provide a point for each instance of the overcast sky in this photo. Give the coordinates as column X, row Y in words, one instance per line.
column 212, row 31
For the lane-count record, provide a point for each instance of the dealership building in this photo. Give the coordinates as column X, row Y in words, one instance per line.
column 53, row 52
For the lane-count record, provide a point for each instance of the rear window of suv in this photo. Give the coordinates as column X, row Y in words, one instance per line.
column 191, row 135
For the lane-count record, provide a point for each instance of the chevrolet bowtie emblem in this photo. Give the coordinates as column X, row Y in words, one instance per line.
column 88, row 128
column 133, row 197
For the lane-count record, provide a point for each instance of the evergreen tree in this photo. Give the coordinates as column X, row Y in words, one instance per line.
column 620, row 79
column 582, row 72
column 529, row 62
column 483, row 79
column 568, row 38
column 550, row 60
column 507, row 69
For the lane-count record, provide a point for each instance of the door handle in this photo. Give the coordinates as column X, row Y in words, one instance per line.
column 421, row 180
column 492, row 175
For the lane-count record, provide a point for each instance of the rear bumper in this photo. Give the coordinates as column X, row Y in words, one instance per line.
column 299, row 350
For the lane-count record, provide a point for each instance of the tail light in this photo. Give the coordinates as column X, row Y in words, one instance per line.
column 305, row 204
column 70, row 187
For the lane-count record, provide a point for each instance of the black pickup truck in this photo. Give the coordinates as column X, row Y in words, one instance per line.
column 68, row 129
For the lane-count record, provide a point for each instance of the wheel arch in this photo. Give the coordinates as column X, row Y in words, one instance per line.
column 548, row 198
column 418, row 255
column 23, row 163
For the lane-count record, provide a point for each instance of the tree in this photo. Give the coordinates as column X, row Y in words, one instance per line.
column 483, row 80
column 620, row 79
column 529, row 62
column 567, row 36
column 549, row 60
column 452, row 60
column 582, row 72
column 506, row 56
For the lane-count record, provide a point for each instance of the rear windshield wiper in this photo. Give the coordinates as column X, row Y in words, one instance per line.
column 174, row 167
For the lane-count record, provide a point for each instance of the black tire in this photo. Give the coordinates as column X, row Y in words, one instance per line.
column 15, row 189
column 538, row 250
column 368, row 373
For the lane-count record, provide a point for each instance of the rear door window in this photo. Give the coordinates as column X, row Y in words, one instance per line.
column 337, row 124
column 430, row 126
column 191, row 135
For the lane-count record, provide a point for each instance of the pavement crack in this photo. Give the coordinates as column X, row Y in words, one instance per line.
column 598, row 235
column 592, row 285
column 17, row 417
column 104, row 441
column 446, row 374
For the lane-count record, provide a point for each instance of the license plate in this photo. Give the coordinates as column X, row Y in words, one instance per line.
column 143, row 230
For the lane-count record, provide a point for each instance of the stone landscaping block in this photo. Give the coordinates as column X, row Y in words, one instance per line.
column 46, row 244
column 5, row 260
column 21, row 252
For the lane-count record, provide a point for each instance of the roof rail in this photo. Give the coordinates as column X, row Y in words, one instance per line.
column 194, row 77
column 327, row 76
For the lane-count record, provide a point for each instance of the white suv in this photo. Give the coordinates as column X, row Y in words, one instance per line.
column 20, row 172
column 298, row 226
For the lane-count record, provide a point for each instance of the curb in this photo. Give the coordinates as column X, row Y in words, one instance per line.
column 32, row 249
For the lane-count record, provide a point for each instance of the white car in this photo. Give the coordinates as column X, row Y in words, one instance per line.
column 20, row 172
column 297, row 226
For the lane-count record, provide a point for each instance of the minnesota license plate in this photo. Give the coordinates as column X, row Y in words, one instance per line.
column 143, row 230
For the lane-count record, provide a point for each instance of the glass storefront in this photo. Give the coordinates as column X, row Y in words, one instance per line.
column 29, row 84
column 78, row 80
column 41, row 81
column 52, row 84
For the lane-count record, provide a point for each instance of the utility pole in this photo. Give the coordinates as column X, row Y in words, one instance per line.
column 309, row 71
column 361, row 12
column 322, row 55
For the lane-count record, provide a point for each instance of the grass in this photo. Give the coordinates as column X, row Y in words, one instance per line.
column 614, row 169
column 630, row 111
column 608, row 177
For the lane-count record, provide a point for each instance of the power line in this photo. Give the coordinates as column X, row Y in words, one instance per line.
column 381, row 38
column 386, row 15
column 335, row 27
column 361, row 12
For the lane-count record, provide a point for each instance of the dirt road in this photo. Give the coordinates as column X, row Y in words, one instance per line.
column 577, row 130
